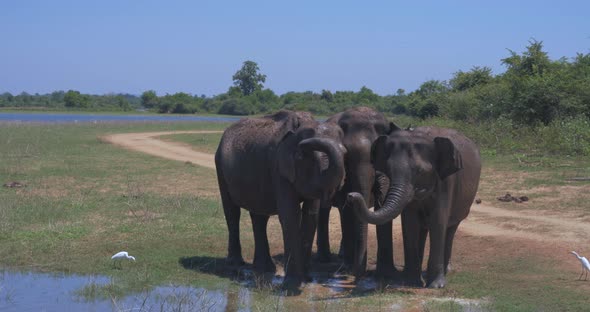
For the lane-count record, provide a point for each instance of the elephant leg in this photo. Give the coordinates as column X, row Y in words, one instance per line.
column 323, row 239
column 309, row 221
column 422, row 235
column 232, row 214
column 435, row 274
column 365, row 185
column 385, row 265
column 262, row 260
column 449, row 245
column 411, row 231
column 290, row 217
column 347, row 241
column 359, row 265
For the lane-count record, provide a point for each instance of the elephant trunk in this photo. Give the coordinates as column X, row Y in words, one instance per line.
column 331, row 178
column 398, row 196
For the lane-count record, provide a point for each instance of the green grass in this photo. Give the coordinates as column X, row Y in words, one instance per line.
column 202, row 142
column 89, row 199
column 519, row 284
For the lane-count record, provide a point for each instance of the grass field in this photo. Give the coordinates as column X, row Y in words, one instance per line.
column 84, row 200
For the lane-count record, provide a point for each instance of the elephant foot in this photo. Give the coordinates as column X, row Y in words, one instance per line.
column 412, row 279
column 387, row 272
column 341, row 251
column 267, row 266
column 291, row 285
column 439, row 282
column 323, row 257
column 308, row 278
column 359, row 273
column 347, row 267
column 234, row 261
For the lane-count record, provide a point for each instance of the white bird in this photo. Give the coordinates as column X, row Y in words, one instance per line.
column 585, row 265
column 120, row 256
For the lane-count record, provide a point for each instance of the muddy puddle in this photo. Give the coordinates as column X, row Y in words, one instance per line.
column 29, row 291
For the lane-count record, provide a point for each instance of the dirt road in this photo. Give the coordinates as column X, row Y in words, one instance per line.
column 148, row 143
column 484, row 220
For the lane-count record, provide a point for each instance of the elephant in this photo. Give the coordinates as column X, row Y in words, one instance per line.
column 268, row 166
column 360, row 126
column 434, row 175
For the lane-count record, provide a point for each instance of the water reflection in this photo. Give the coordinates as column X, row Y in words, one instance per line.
column 27, row 291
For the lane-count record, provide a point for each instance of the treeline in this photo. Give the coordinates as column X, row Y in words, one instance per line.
column 534, row 90
column 73, row 100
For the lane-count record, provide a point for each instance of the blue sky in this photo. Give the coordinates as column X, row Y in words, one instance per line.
column 196, row 46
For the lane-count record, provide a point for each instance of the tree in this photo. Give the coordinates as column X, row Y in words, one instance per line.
column 466, row 80
column 177, row 103
column 532, row 62
column 327, row 96
column 123, row 103
column 431, row 87
column 366, row 96
column 75, row 99
column 248, row 79
column 535, row 85
column 149, row 99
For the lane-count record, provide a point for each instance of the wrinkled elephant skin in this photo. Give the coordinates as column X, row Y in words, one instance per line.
column 268, row 166
column 434, row 175
column 360, row 126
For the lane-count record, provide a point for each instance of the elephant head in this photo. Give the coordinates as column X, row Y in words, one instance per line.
column 415, row 164
column 311, row 158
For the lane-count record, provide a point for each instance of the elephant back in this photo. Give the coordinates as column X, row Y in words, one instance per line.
column 264, row 131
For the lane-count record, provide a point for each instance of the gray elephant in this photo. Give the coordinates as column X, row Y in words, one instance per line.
column 361, row 126
column 434, row 174
column 268, row 166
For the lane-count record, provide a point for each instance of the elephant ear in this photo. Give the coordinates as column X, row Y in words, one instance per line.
column 393, row 127
column 285, row 156
column 289, row 121
column 449, row 159
column 378, row 148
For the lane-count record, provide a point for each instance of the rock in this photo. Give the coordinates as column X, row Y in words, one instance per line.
column 478, row 201
column 14, row 184
column 505, row 198
column 510, row 198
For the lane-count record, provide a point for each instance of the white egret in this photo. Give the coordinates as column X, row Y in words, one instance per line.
column 120, row 256
column 585, row 265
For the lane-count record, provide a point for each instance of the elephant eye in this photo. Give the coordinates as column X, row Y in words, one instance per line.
column 298, row 155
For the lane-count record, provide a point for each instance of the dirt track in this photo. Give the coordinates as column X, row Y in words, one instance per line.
column 484, row 219
column 147, row 142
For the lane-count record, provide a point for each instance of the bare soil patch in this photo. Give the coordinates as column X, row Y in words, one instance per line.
column 145, row 142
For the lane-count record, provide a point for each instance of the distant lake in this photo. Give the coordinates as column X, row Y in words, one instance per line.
column 74, row 118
